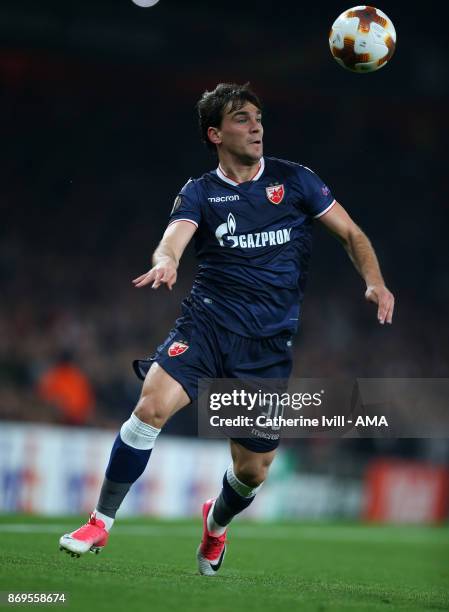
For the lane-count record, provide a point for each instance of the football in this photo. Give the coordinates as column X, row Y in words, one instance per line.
column 362, row 39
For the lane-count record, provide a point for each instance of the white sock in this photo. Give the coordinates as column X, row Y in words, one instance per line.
column 138, row 434
column 107, row 520
column 212, row 527
column 240, row 487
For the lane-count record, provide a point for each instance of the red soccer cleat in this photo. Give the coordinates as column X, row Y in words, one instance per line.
column 91, row 536
column 212, row 549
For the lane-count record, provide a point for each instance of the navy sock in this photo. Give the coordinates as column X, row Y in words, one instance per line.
column 126, row 463
column 129, row 457
column 229, row 503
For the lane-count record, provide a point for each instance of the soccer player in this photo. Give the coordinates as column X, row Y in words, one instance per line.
column 252, row 219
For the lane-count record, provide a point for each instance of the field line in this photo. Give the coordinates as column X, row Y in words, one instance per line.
column 363, row 533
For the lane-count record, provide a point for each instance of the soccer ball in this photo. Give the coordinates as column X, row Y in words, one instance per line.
column 362, row 39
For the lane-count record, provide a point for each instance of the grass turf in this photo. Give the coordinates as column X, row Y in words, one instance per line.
column 150, row 565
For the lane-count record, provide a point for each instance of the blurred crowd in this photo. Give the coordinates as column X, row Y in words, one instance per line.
column 71, row 325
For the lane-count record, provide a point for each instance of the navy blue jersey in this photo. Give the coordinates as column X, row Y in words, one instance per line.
column 253, row 244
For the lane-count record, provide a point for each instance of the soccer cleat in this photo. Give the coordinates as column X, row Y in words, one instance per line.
column 211, row 551
column 91, row 536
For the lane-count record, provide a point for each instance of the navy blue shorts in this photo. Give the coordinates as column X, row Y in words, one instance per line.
column 199, row 348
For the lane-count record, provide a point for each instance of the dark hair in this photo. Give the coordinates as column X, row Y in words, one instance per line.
column 212, row 104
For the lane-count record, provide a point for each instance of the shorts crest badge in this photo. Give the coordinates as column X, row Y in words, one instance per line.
column 177, row 348
column 275, row 193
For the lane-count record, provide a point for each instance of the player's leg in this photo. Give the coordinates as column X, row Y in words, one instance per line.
column 161, row 397
column 264, row 359
column 241, row 482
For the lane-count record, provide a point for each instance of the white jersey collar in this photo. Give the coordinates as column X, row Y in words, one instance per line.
column 226, row 179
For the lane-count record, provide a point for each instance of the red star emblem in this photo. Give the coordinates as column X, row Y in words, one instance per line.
column 177, row 348
column 275, row 193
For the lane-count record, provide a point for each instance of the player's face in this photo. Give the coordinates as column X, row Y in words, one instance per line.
column 241, row 133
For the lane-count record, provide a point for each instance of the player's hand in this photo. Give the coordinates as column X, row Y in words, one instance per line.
column 384, row 299
column 162, row 273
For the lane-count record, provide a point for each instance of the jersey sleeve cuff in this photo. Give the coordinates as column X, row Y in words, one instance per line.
column 323, row 212
column 189, row 220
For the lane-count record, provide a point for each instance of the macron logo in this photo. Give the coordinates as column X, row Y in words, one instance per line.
column 230, row 198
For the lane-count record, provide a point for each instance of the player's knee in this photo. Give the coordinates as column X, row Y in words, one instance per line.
column 152, row 409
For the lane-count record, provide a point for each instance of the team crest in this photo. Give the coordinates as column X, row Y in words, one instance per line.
column 275, row 193
column 177, row 348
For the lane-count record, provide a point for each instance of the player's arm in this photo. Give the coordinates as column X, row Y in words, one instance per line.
column 362, row 255
column 167, row 256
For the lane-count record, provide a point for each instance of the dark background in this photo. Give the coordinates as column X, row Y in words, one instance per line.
column 99, row 133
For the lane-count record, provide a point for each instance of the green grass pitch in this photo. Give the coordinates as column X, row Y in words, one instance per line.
column 150, row 565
